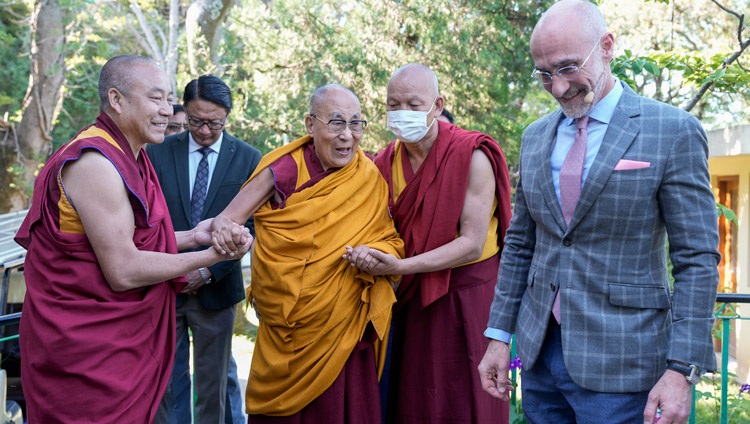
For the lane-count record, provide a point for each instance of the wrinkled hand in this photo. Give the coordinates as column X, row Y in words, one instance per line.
column 202, row 233
column 232, row 240
column 672, row 394
column 372, row 261
column 195, row 281
column 360, row 257
column 493, row 370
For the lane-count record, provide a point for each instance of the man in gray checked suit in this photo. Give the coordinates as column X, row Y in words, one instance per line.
column 584, row 285
column 207, row 304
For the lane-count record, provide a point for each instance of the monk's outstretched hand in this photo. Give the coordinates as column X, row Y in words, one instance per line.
column 229, row 238
column 202, row 233
column 360, row 257
column 371, row 261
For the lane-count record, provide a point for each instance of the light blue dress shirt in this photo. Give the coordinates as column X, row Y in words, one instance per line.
column 599, row 118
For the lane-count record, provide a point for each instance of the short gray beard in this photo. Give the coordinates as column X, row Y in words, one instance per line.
column 576, row 111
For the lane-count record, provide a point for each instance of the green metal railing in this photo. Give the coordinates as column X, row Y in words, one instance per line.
column 726, row 312
column 10, row 319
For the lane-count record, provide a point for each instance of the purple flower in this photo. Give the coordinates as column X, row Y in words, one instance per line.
column 515, row 363
column 745, row 388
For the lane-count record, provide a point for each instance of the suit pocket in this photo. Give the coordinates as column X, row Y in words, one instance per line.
column 638, row 296
column 531, row 276
column 633, row 174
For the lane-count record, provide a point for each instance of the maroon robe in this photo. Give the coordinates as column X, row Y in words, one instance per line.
column 90, row 354
column 439, row 321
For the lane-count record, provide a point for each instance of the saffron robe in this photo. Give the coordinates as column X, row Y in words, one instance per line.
column 315, row 308
column 438, row 327
column 91, row 354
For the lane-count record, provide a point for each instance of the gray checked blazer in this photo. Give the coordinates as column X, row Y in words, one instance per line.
column 620, row 322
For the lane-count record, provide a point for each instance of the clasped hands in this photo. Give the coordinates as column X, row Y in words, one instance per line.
column 372, row 261
column 229, row 238
column 238, row 237
column 238, row 242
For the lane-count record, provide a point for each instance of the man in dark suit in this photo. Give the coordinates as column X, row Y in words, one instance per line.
column 583, row 279
column 201, row 170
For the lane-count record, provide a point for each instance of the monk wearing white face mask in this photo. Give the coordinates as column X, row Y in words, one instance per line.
column 450, row 200
column 410, row 126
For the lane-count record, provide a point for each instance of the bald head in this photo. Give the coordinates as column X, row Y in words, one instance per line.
column 319, row 96
column 581, row 17
column 417, row 74
column 118, row 73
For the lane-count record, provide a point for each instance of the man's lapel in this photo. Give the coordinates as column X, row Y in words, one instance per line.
column 182, row 170
column 544, row 154
column 228, row 147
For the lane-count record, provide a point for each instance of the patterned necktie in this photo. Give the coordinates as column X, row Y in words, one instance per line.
column 199, row 188
column 571, row 173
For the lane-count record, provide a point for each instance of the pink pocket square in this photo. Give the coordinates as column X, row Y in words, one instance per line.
column 625, row 164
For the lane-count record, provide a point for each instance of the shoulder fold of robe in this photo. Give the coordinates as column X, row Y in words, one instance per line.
column 315, row 307
column 428, row 210
column 88, row 351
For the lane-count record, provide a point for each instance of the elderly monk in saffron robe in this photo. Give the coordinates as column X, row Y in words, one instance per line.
column 315, row 360
column 98, row 325
column 450, row 199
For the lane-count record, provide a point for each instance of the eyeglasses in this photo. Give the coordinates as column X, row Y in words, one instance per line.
column 177, row 127
column 212, row 125
column 337, row 126
column 566, row 72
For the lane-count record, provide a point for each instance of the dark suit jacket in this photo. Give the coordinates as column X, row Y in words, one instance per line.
column 620, row 323
column 236, row 162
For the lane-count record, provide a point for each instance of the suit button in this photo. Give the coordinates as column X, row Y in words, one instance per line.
column 567, row 242
column 552, row 286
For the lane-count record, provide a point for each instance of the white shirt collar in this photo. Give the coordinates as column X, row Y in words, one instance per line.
column 193, row 146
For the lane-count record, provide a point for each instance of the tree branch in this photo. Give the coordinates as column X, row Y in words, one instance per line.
column 151, row 45
column 743, row 45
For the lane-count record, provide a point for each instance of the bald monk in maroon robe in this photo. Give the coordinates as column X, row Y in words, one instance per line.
column 98, row 326
column 450, row 200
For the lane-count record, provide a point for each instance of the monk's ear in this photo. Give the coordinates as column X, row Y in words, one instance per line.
column 439, row 104
column 115, row 99
column 309, row 124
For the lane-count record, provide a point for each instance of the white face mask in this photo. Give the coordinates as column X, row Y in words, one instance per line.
column 409, row 125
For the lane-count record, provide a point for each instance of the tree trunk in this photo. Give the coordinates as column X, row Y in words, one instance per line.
column 160, row 48
column 203, row 23
column 43, row 99
column 174, row 32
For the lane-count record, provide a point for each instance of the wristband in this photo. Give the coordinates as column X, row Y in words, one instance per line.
column 691, row 372
column 204, row 275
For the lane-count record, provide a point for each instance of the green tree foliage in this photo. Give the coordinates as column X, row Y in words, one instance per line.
column 14, row 74
column 277, row 55
column 98, row 31
column 687, row 53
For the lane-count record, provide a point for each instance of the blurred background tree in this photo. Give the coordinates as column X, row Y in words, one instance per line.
column 274, row 53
